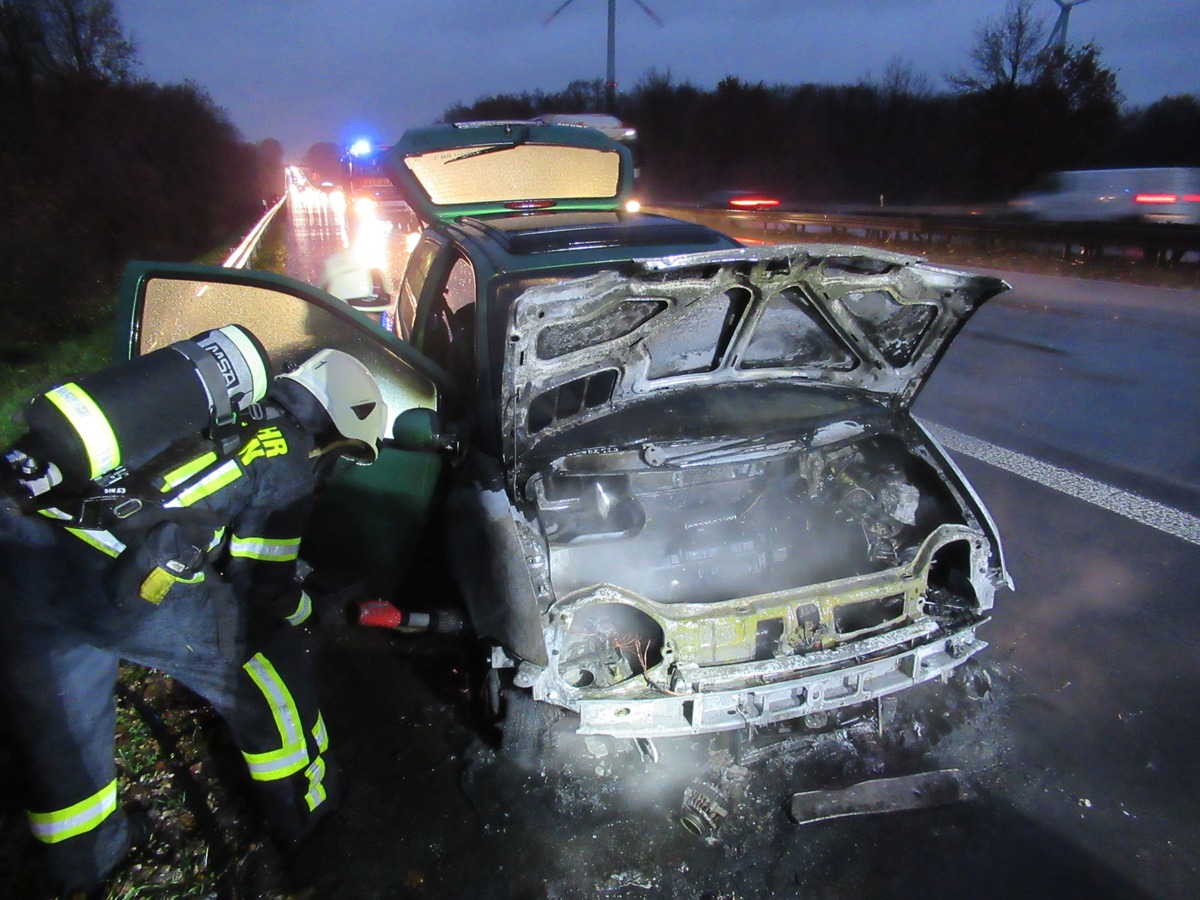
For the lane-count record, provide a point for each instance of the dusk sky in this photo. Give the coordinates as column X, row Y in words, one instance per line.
column 303, row 71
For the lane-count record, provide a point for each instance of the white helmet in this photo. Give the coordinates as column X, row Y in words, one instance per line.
column 347, row 391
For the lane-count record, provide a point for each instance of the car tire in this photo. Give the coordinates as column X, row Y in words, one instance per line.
column 492, row 696
column 525, row 727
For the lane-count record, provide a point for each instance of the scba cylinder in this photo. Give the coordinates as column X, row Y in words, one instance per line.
column 128, row 414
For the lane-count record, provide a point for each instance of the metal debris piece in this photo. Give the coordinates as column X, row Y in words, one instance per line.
column 925, row 789
column 973, row 680
column 646, row 748
column 707, row 803
column 703, row 810
column 597, row 747
column 751, row 754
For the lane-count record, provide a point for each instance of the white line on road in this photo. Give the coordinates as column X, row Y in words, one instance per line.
column 1164, row 518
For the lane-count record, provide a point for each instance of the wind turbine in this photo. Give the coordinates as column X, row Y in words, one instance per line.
column 610, row 82
column 1058, row 34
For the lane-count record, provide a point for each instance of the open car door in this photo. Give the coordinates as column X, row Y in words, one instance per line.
column 368, row 519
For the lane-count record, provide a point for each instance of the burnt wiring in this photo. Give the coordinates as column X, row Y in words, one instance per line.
column 641, row 651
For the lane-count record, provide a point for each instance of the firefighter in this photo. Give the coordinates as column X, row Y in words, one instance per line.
column 199, row 585
column 369, row 290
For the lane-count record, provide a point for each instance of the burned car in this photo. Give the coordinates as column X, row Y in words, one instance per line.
column 729, row 516
column 688, row 494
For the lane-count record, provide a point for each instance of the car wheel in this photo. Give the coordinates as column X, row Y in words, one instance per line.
column 492, row 705
column 525, row 727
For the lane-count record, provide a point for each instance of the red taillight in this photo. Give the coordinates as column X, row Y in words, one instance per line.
column 753, row 202
column 530, row 204
column 1156, row 198
column 1191, row 198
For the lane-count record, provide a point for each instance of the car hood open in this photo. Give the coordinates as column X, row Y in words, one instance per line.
column 806, row 328
column 479, row 168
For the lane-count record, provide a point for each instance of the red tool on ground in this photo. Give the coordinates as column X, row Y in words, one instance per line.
column 381, row 614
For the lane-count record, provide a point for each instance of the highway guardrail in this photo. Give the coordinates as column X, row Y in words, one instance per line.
column 242, row 254
column 1159, row 243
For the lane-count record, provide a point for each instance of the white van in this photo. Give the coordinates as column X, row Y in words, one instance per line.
column 609, row 126
column 1111, row 195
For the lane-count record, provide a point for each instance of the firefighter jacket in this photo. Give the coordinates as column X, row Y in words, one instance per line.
column 193, row 575
column 236, row 515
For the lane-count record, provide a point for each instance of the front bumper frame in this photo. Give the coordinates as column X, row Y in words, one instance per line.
column 925, row 652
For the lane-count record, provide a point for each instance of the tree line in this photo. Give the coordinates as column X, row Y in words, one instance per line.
column 98, row 167
column 1020, row 107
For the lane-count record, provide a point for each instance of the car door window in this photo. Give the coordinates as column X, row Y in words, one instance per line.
column 415, row 274
column 449, row 329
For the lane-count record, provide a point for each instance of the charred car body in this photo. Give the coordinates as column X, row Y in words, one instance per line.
column 695, row 498
column 735, row 520
column 703, row 496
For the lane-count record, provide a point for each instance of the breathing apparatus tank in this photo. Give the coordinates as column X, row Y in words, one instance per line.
column 125, row 415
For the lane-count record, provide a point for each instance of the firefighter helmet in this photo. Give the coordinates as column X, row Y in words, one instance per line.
column 348, row 392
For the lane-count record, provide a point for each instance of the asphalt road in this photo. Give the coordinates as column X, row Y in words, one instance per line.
column 1091, row 386
column 1072, row 408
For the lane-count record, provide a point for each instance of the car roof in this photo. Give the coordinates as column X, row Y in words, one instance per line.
column 545, row 240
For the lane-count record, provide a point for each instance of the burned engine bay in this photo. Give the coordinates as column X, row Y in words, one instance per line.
column 704, row 533
column 685, row 569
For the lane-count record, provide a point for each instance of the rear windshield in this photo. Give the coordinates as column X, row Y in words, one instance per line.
column 500, row 173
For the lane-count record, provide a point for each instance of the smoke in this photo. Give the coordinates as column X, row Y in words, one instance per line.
column 721, row 532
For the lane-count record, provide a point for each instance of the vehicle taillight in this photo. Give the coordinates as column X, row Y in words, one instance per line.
column 1156, row 198
column 1191, row 198
column 530, row 204
column 753, row 202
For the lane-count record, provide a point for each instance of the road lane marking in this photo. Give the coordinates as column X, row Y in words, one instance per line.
column 1159, row 516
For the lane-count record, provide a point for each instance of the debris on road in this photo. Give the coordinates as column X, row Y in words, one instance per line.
column 707, row 803
column 882, row 795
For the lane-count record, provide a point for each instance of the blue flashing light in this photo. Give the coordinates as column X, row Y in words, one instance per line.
column 361, row 147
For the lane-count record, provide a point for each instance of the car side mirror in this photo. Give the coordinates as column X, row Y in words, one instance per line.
column 420, row 430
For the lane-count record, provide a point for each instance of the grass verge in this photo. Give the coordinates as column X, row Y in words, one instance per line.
column 56, row 363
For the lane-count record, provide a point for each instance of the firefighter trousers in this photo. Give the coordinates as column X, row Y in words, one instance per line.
column 59, row 677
